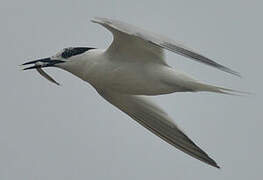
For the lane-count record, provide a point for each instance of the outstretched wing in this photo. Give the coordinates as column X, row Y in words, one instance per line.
column 149, row 115
column 129, row 39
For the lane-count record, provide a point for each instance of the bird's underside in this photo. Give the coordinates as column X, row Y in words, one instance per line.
column 131, row 44
column 132, row 67
column 137, row 78
column 152, row 117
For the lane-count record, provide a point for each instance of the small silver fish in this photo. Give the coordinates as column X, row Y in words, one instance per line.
column 45, row 75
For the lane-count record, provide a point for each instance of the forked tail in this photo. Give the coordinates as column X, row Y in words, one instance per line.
column 216, row 89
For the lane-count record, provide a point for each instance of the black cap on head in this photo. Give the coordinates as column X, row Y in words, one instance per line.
column 69, row 52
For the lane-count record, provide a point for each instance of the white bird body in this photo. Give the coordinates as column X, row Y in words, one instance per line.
column 131, row 68
column 135, row 77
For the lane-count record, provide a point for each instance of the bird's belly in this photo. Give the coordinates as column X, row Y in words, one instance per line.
column 141, row 89
column 136, row 79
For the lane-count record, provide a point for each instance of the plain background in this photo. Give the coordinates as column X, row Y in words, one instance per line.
column 69, row 132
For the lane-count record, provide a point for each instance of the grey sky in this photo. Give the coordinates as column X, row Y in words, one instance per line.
column 70, row 132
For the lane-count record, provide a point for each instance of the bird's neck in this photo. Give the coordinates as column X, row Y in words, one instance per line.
column 86, row 66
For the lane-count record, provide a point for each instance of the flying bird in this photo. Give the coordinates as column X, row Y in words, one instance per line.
column 132, row 69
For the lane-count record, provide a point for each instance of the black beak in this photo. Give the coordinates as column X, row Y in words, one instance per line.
column 40, row 63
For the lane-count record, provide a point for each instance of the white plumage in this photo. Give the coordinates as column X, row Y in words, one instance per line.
column 130, row 69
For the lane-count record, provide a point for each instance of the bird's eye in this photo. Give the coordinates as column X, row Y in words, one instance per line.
column 67, row 53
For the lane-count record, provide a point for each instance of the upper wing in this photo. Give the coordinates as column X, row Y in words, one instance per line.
column 157, row 121
column 128, row 37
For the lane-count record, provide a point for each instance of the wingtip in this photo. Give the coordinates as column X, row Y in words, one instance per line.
column 212, row 162
column 215, row 165
column 228, row 70
column 235, row 73
column 97, row 19
column 94, row 19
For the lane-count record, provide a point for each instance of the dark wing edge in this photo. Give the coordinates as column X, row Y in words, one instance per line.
column 160, row 41
column 158, row 122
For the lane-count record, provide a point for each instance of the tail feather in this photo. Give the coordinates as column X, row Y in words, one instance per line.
column 216, row 89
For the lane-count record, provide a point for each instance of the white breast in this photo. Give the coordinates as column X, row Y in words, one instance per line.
column 124, row 76
column 131, row 77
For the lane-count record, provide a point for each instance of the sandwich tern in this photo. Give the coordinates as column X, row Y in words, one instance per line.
column 131, row 69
